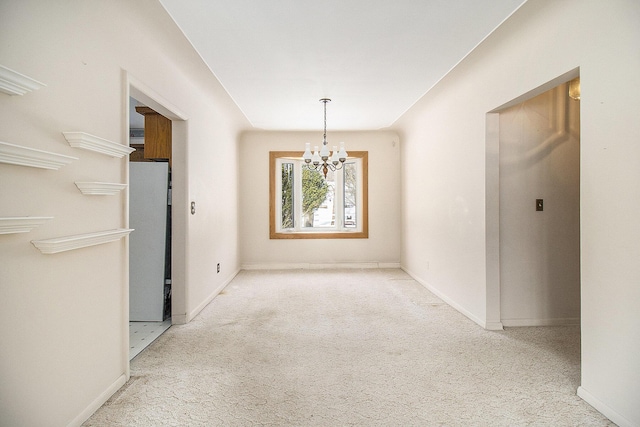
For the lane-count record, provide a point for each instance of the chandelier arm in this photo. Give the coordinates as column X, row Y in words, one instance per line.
column 320, row 166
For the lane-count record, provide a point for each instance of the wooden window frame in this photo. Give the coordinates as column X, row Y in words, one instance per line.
column 274, row 234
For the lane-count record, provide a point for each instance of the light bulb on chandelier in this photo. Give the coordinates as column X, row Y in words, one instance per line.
column 323, row 160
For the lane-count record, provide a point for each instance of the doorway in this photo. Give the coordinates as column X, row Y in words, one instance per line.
column 150, row 217
column 173, row 283
column 540, row 210
column 533, row 208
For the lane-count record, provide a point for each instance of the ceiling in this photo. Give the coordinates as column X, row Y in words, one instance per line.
column 374, row 59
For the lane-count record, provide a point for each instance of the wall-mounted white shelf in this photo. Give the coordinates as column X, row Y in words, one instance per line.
column 68, row 243
column 93, row 143
column 21, row 224
column 14, row 83
column 23, row 156
column 99, row 188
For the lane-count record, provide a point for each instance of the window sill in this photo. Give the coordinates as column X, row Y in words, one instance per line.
column 319, row 235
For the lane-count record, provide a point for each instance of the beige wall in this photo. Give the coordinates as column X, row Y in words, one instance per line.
column 63, row 317
column 382, row 246
column 449, row 212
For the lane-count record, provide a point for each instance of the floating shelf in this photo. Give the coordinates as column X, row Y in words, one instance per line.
column 23, row 156
column 97, row 144
column 99, row 188
column 22, row 224
column 68, row 243
column 14, row 83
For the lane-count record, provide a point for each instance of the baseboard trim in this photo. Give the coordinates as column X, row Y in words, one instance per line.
column 178, row 319
column 566, row 321
column 388, row 265
column 448, row 300
column 274, row 266
column 98, row 402
column 604, row 409
column 318, row 266
column 191, row 315
column 494, row 326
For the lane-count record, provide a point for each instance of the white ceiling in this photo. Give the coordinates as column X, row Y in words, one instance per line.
column 373, row 58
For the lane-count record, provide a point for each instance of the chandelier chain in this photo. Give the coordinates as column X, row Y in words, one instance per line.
column 324, row 137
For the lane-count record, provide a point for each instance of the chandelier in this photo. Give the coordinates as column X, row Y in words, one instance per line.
column 322, row 160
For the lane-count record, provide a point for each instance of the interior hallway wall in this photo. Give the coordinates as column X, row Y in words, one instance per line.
column 63, row 317
column 444, row 230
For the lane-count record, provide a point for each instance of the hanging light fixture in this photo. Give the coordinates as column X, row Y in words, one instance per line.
column 322, row 160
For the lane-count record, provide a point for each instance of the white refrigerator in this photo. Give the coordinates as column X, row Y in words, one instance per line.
column 148, row 199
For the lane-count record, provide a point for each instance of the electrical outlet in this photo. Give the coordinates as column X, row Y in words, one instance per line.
column 218, row 267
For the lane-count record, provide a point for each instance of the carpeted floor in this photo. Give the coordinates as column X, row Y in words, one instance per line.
column 348, row 348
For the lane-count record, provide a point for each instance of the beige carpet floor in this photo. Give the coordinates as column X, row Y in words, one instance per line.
column 348, row 348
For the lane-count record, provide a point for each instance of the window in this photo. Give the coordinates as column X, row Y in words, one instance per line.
column 305, row 205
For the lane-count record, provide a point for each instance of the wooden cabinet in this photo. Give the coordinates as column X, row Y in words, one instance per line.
column 157, row 135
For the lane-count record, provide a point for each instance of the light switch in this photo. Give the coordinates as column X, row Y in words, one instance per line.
column 539, row 205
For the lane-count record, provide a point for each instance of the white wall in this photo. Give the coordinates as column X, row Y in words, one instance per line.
column 540, row 251
column 383, row 244
column 63, row 317
column 443, row 180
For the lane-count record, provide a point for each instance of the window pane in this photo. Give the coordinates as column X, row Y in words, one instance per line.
column 317, row 199
column 350, row 195
column 303, row 205
column 287, row 195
